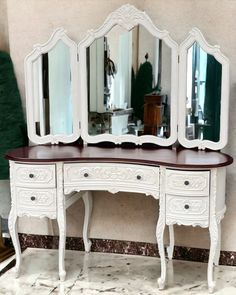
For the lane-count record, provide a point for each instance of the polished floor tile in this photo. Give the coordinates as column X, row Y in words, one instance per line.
column 111, row 274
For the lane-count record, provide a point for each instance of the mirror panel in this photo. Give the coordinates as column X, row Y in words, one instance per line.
column 51, row 73
column 203, row 101
column 53, row 106
column 129, row 81
column 203, row 94
column 129, row 84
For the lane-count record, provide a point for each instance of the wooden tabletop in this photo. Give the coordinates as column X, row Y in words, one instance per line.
column 184, row 158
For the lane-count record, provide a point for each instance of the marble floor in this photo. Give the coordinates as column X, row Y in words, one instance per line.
column 110, row 274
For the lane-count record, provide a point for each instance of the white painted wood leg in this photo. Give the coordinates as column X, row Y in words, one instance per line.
column 160, row 241
column 170, row 248
column 61, row 219
column 214, row 237
column 12, row 224
column 88, row 205
column 217, row 255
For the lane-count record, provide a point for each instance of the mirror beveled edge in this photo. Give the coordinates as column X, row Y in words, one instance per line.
column 195, row 35
column 31, row 80
column 127, row 17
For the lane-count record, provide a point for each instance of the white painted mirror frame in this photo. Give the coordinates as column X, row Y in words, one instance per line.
column 195, row 35
column 127, row 16
column 31, row 96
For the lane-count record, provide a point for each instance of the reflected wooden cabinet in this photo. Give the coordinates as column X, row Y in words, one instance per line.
column 153, row 114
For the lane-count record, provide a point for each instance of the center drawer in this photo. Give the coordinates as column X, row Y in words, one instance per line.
column 190, row 183
column 111, row 174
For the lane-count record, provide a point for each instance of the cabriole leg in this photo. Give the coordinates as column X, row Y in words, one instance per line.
column 160, row 241
column 12, row 224
column 88, row 205
column 170, row 248
column 214, row 237
column 217, row 255
column 61, row 219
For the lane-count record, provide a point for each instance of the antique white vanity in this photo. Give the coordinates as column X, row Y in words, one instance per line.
column 96, row 91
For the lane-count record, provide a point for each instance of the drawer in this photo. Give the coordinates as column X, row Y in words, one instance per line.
column 121, row 175
column 35, row 175
column 194, row 183
column 36, row 202
column 187, row 210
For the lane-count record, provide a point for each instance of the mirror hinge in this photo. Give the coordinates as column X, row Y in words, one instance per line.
column 79, row 125
column 77, row 56
column 178, row 59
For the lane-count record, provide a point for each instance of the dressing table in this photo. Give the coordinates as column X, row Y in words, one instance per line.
column 71, row 93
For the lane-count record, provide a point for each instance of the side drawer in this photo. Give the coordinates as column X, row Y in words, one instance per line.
column 187, row 210
column 28, row 175
column 36, row 202
column 194, row 183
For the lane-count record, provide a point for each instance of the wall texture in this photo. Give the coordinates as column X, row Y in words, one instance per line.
column 129, row 216
column 4, row 44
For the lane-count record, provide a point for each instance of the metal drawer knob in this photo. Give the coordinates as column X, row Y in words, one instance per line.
column 186, row 182
column 33, row 198
column 86, row 175
column 31, row 175
column 139, row 177
column 186, row 206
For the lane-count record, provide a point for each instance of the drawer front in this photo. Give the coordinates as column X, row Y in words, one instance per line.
column 195, row 183
column 111, row 174
column 36, row 201
column 187, row 210
column 35, row 175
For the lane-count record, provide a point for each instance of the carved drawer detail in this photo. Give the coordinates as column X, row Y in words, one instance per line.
column 35, row 175
column 187, row 182
column 187, row 210
column 119, row 177
column 35, row 201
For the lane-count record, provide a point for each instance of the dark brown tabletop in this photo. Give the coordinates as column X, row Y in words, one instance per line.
column 184, row 158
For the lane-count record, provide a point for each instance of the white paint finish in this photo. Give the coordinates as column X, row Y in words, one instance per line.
column 190, row 210
column 111, row 177
column 178, row 18
column 35, row 175
column 31, row 80
column 128, row 17
column 70, row 177
column 192, row 183
column 195, row 35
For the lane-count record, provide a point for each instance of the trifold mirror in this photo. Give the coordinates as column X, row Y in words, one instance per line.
column 121, row 84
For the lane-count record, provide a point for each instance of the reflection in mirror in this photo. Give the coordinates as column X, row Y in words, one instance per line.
column 203, row 95
column 129, row 84
column 52, row 91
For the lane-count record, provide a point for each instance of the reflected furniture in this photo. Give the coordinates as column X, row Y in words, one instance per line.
column 103, row 88
column 153, row 113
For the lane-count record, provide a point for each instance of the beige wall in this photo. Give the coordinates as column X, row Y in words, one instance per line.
column 129, row 216
column 4, row 44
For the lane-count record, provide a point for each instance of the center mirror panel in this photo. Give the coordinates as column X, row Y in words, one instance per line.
column 129, row 84
column 129, row 81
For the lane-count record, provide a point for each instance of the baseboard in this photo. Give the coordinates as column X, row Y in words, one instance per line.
column 124, row 247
